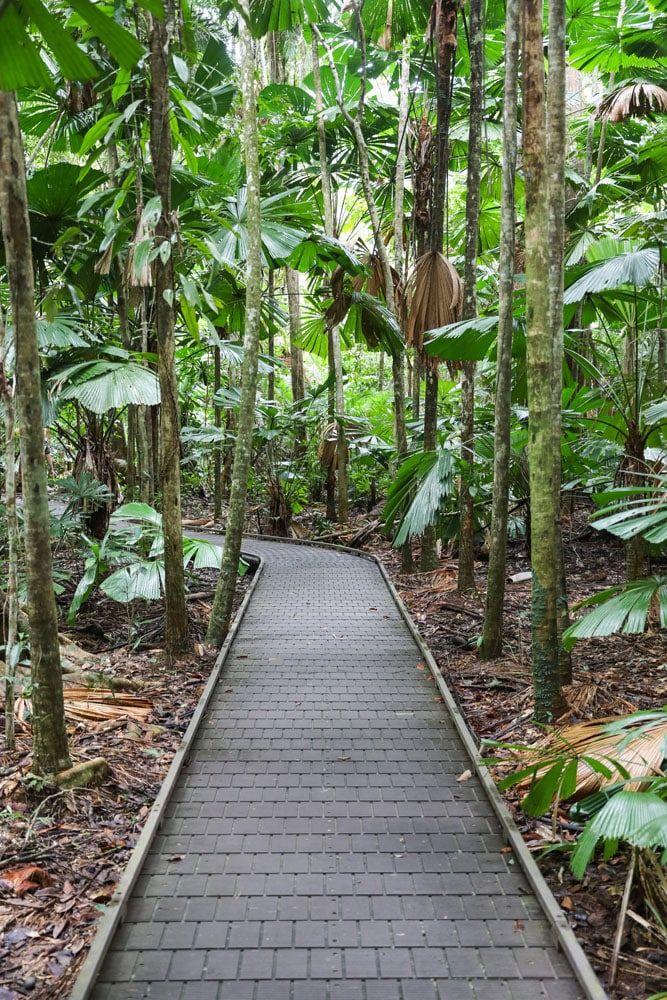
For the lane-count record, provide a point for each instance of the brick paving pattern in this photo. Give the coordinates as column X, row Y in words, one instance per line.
column 319, row 845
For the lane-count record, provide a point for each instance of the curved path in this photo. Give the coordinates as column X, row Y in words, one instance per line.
column 318, row 845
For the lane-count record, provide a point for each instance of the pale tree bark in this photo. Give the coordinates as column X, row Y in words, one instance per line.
column 224, row 595
column 10, row 610
column 49, row 735
column 556, row 148
column 540, row 367
column 333, row 336
column 466, row 570
column 176, row 624
column 492, row 636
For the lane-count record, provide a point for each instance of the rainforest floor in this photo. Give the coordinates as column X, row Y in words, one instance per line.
column 63, row 852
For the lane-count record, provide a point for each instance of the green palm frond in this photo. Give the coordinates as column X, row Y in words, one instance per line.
column 623, row 608
column 423, row 481
column 637, row 818
column 634, row 510
column 104, row 384
column 638, row 268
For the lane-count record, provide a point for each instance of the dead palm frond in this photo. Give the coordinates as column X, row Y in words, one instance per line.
column 327, row 453
column 83, row 704
column 632, row 100
column 435, row 297
column 606, row 751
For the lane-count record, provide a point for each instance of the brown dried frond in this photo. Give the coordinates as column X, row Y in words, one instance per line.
column 103, row 264
column 326, row 453
column 144, row 278
column 641, row 757
column 633, row 100
column 340, row 303
column 435, row 297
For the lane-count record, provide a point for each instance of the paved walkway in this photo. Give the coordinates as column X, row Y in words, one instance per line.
column 319, row 845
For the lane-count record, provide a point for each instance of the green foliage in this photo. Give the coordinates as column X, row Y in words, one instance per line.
column 128, row 564
column 623, row 608
column 423, row 482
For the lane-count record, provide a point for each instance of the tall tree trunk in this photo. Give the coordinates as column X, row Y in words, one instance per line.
column 333, row 337
column 492, row 637
column 540, row 368
column 9, row 611
column 224, row 595
column 50, row 750
column 556, row 146
column 445, row 13
column 145, row 424
column 296, row 354
column 271, row 377
column 133, row 469
column 217, row 423
column 176, row 624
column 397, row 362
column 466, row 574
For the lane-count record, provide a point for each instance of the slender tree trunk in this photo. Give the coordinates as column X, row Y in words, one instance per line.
column 176, row 625
column 133, row 470
column 50, row 750
column 466, row 575
column 556, row 147
column 661, row 333
column 397, row 362
column 271, row 377
column 224, row 595
column 416, row 386
column 540, row 368
column 10, row 610
column 492, row 637
column 445, row 40
column 296, row 354
column 333, row 337
column 145, row 425
column 217, row 423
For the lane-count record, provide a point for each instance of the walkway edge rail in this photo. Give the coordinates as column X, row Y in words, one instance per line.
column 113, row 916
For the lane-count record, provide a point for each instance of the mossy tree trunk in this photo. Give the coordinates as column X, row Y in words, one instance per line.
column 540, row 368
column 556, row 144
column 224, row 595
column 176, row 624
column 49, row 735
column 10, row 601
column 466, row 570
column 492, row 636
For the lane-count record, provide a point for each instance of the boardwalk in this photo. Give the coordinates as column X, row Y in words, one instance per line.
column 319, row 845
